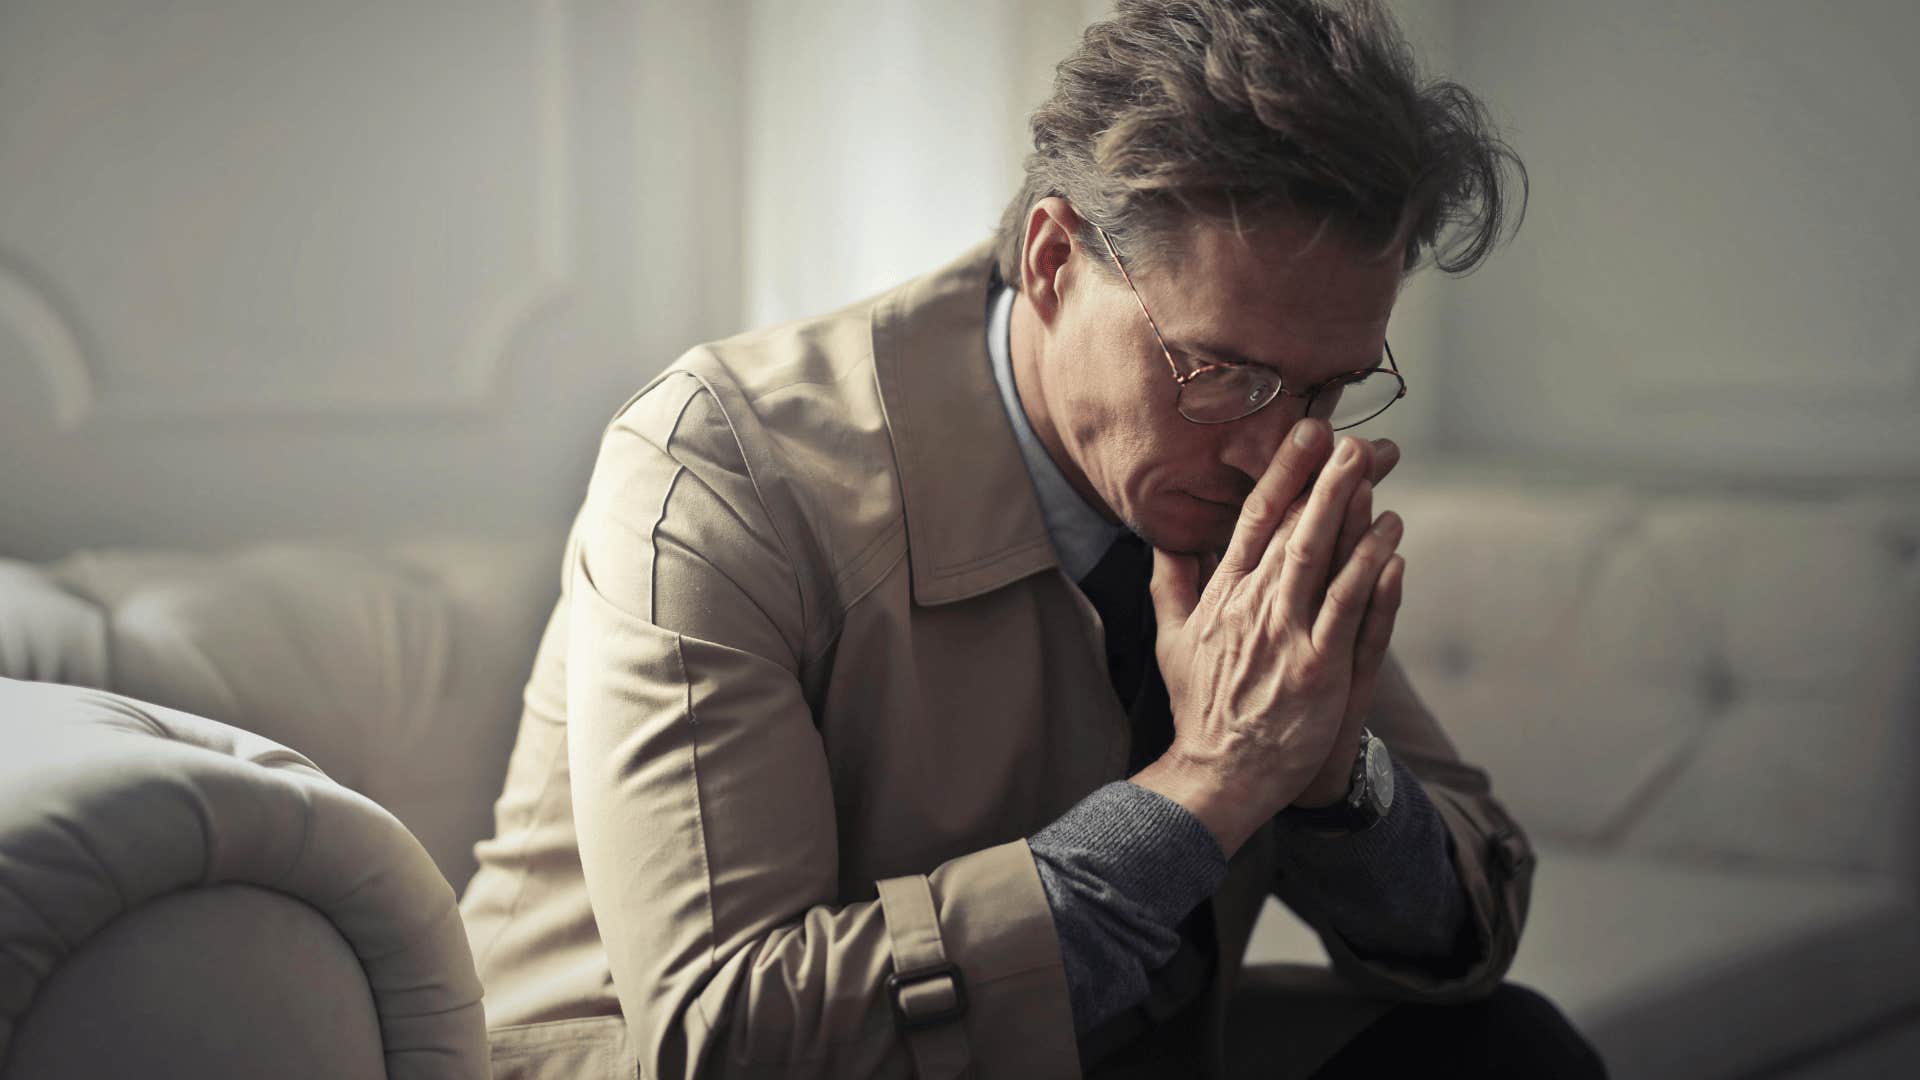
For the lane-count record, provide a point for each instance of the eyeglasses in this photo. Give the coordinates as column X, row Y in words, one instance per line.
column 1224, row 390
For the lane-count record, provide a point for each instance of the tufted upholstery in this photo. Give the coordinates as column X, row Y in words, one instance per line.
column 113, row 804
column 1704, row 678
column 1705, row 709
column 397, row 671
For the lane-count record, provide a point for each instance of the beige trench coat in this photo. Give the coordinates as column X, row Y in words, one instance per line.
column 813, row 637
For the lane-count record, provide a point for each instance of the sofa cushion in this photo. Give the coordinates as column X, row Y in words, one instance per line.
column 1683, row 675
column 398, row 671
column 47, row 633
column 326, row 650
column 1498, row 590
column 1693, row 971
column 1789, row 636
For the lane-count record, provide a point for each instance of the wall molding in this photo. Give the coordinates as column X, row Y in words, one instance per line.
column 477, row 382
column 482, row 357
column 51, row 344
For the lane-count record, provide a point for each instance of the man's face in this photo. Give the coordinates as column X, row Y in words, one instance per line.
column 1274, row 295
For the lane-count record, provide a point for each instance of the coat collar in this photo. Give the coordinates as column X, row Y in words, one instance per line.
column 973, row 520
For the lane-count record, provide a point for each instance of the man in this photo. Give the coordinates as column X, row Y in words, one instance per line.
column 855, row 746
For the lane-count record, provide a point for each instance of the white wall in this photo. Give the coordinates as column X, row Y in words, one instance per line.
column 346, row 269
column 1417, row 328
column 1714, row 275
column 363, row 270
column 370, row 269
column 885, row 138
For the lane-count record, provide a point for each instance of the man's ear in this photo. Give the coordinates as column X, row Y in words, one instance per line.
column 1045, row 259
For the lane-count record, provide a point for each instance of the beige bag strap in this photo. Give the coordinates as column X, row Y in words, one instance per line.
column 928, row 994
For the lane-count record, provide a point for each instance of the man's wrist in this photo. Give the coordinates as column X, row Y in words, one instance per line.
column 1367, row 799
column 1332, row 785
column 1322, row 795
column 1205, row 796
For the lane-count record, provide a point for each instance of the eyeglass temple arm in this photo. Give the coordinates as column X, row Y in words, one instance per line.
column 1172, row 368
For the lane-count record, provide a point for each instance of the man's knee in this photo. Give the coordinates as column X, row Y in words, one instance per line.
column 1513, row 1031
column 1520, row 1022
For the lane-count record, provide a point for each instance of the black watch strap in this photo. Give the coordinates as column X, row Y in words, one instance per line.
column 1355, row 812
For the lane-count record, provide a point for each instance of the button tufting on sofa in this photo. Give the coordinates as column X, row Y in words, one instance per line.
column 1905, row 547
column 112, row 806
column 1717, row 692
column 1454, row 660
column 397, row 671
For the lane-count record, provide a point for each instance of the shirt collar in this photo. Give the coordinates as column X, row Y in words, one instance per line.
column 1079, row 534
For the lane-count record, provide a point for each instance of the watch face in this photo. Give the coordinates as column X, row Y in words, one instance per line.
column 1380, row 773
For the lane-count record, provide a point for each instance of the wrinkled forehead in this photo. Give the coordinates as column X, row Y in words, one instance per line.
column 1286, row 293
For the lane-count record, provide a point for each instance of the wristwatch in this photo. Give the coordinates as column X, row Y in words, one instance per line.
column 1369, row 795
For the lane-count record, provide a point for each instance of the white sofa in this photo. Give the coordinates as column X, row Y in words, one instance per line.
column 1705, row 709
column 184, row 895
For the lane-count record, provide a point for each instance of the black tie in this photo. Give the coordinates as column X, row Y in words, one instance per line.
column 1117, row 586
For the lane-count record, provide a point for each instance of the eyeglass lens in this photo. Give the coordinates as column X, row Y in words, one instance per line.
column 1229, row 393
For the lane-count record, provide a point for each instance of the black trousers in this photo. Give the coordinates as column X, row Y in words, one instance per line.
column 1513, row 1032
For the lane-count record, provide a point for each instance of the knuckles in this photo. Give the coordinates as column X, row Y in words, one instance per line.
column 1298, row 550
column 1231, row 617
column 1311, row 669
column 1344, row 599
column 1260, row 512
column 1387, row 601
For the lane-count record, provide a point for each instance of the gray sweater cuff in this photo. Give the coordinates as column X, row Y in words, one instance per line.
column 1121, row 869
column 1391, row 891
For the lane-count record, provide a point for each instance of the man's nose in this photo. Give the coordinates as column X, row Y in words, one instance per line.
column 1252, row 441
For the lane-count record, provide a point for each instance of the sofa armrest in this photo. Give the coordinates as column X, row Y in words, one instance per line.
column 216, row 980
column 108, row 804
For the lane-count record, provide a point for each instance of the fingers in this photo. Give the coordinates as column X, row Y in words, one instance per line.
column 1359, row 518
column 1302, row 562
column 1175, row 588
column 1278, row 499
column 1287, row 475
column 1386, row 454
column 1376, row 631
column 1350, row 596
column 1370, row 649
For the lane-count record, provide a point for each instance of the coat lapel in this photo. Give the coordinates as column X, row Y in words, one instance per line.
column 973, row 520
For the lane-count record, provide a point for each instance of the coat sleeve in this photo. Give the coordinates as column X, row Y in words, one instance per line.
column 705, row 809
column 1490, row 853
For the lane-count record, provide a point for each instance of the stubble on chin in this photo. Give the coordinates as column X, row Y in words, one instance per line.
column 1185, row 545
column 1174, row 537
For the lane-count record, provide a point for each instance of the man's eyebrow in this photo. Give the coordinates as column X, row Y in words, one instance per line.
column 1206, row 350
column 1210, row 351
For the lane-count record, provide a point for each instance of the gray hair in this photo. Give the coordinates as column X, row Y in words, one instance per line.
column 1231, row 110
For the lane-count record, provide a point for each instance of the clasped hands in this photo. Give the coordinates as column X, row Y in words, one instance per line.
column 1271, row 655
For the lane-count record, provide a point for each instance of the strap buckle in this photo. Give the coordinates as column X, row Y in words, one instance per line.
column 915, row 1014
column 1510, row 853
